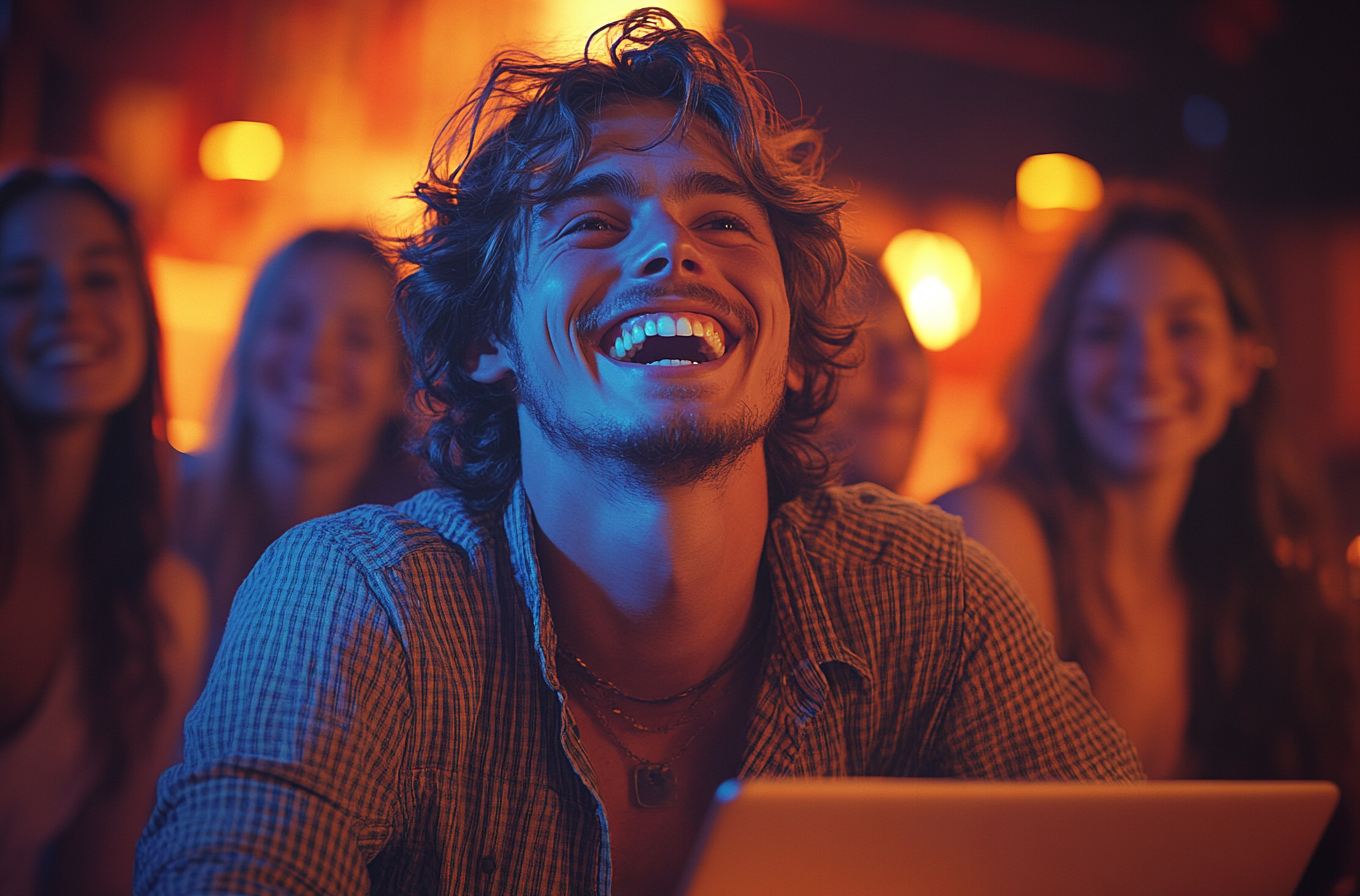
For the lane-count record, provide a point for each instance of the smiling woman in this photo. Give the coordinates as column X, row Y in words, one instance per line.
column 1153, row 511
column 100, row 628
column 312, row 418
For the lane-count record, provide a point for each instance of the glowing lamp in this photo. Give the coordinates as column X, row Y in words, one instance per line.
column 1057, row 180
column 187, row 435
column 574, row 20
column 938, row 286
column 241, row 150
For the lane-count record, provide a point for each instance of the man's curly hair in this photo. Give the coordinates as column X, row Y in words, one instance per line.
column 516, row 143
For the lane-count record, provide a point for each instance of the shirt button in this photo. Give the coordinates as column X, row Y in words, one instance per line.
column 486, row 864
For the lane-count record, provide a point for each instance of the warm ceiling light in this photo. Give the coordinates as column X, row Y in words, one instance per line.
column 573, row 21
column 1057, row 180
column 938, row 286
column 241, row 150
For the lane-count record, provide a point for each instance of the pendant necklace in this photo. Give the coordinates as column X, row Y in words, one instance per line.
column 653, row 783
column 603, row 684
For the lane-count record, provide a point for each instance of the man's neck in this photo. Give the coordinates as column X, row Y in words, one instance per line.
column 653, row 587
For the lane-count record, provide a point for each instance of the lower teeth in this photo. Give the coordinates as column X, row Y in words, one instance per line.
column 670, row 362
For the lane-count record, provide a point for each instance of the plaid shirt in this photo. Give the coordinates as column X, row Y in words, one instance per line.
column 385, row 714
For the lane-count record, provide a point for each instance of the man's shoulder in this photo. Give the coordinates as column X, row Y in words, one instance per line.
column 866, row 523
column 432, row 521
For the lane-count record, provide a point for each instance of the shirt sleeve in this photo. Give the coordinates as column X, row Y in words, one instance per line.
column 1017, row 711
column 290, row 776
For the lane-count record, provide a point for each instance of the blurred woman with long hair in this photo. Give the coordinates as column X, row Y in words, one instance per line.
column 1152, row 509
column 101, row 629
column 312, row 417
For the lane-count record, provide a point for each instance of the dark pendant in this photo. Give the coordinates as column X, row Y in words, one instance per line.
column 653, row 786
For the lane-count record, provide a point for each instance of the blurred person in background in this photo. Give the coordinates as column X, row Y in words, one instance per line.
column 1151, row 508
column 876, row 419
column 101, row 629
column 311, row 417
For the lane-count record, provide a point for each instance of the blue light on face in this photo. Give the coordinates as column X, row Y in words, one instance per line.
column 1205, row 121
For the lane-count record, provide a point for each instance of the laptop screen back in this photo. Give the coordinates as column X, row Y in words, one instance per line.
column 908, row 837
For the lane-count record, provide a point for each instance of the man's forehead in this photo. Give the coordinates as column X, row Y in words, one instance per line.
column 629, row 159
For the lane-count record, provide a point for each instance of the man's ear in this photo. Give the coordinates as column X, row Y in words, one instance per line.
column 793, row 378
column 487, row 361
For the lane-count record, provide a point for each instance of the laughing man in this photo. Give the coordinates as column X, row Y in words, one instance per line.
column 635, row 584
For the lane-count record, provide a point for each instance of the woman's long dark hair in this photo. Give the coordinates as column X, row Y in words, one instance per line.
column 122, row 530
column 1272, row 665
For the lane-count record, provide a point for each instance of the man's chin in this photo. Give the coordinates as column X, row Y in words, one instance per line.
column 682, row 450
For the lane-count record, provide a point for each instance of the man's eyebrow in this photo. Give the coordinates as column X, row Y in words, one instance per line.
column 710, row 183
column 607, row 183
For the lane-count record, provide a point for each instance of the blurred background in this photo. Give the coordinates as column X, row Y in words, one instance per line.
column 976, row 134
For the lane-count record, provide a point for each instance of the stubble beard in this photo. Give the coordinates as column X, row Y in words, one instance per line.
column 683, row 449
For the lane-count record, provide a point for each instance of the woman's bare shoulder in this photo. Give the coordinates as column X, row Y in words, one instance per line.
column 1004, row 522
column 985, row 497
column 991, row 511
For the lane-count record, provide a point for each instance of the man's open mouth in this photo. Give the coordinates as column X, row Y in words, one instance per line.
column 671, row 339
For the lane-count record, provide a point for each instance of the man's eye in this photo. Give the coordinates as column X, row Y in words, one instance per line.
column 726, row 224
column 591, row 224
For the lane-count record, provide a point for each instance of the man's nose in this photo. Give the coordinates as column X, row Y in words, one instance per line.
column 668, row 247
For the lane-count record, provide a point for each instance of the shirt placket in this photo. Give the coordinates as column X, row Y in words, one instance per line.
column 524, row 560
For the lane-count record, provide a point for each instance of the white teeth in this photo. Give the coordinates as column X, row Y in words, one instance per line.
column 636, row 331
column 671, row 362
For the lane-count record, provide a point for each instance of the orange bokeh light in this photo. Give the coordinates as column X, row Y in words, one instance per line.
column 937, row 283
column 1058, row 180
column 241, row 150
column 199, row 305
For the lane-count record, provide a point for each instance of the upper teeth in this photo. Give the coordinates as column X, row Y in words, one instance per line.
column 636, row 330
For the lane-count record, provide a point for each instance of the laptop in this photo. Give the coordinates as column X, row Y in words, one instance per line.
column 917, row 837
